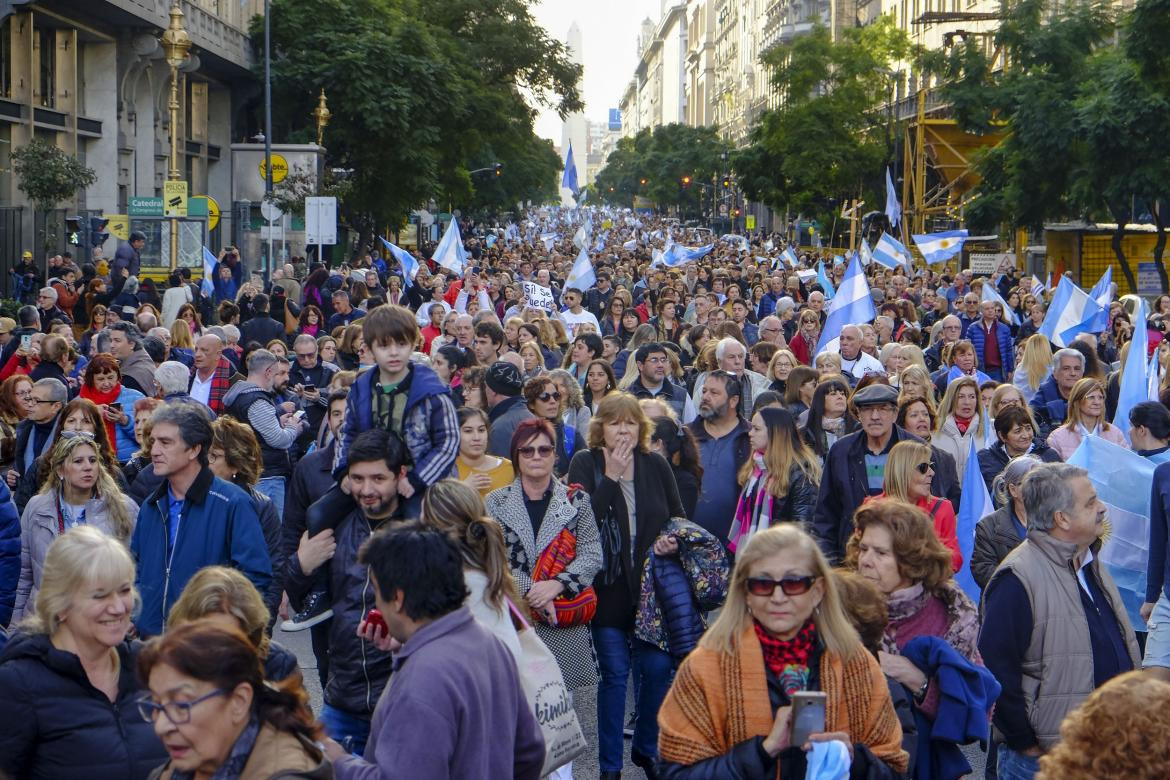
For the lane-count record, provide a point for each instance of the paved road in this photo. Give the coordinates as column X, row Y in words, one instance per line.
column 584, row 768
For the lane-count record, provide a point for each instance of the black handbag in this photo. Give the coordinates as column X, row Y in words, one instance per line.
column 611, row 536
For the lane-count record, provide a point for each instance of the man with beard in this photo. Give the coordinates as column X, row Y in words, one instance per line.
column 723, row 447
column 357, row 670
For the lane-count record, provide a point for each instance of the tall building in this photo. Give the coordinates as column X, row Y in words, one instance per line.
column 657, row 93
column 575, row 128
column 91, row 78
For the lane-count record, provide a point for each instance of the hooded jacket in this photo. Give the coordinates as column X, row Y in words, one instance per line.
column 218, row 525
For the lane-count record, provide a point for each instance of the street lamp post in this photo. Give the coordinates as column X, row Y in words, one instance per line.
column 176, row 46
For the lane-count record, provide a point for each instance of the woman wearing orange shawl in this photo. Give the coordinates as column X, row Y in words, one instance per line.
column 782, row 630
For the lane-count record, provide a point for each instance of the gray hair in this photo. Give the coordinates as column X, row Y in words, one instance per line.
column 1046, row 491
column 58, row 392
column 173, row 377
column 193, row 421
column 259, row 360
column 217, row 331
column 724, row 343
column 145, row 321
column 231, row 334
column 50, row 292
column 1013, row 474
column 133, row 335
column 1069, row 353
column 306, row 339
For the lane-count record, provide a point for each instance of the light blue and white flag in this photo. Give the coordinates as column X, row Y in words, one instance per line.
column 864, row 253
column 1122, row 479
column 581, row 275
column 569, row 177
column 890, row 252
column 1135, row 380
column 511, row 233
column 1048, row 284
column 1154, row 377
column 940, row 247
column 974, row 505
column 992, row 294
column 1070, row 313
column 676, row 254
column 1102, row 293
column 823, row 281
column 549, row 240
column 838, row 259
column 405, row 259
column 491, row 240
column 630, row 245
column 852, row 305
column 789, row 257
column 207, row 284
column 1037, row 286
column 740, row 242
column 450, row 252
column 893, row 207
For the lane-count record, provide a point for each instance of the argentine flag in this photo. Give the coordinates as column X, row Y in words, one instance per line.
column 852, row 305
column 864, row 253
column 893, row 207
column 569, row 178
column 677, row 255
column 1070, row 313
column 408, row 261
column 737, row 241
column 630, row 245
column 1102, row 293
column 974, row 505
column 823, row 281
column 450, row 252
column 890, row 252
column 940, row 247
column 1037, row 286
column 581, row 275
column 789, row 257
column 1135, row 381
column 992, row 294
column 207, row 284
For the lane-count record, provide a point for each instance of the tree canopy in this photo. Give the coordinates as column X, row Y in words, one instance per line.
column 422, row 92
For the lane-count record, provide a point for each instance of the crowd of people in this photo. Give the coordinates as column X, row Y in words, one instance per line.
column 660, row 476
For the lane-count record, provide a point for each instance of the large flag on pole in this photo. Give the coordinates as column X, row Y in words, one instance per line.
column 852, row 305
column 207, row 285
column 823, row 280
column 581, row 275
column 940, row 247
column 1135, row 382
column 893, row 207
column 450, row 252
column 992, row 294
column 408, row 261
column 1102, row 293
column 569, row 178
column 891, row 252
column 1070, row 313
column 974, row 505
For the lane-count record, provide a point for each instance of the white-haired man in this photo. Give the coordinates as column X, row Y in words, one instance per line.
column 732, row 357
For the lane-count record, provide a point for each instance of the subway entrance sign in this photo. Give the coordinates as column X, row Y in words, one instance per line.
column 144, row 207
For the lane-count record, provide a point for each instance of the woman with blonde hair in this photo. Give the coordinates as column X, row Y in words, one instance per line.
column 1086, row 417
column 913, row 356
column 1034, row 365
column 909, row 471
column 779, row 367
column 456, row 510
column 828, row 363
column 67, row 676
column 915, row 381
column 222, row 595
column 1003, row 397
column 79, row 490
column 781, row 630
column 961, row 421
column 532, row 358
column 574, row 411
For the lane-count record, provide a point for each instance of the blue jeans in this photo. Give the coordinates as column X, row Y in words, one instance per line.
column 273, row 487
column 616, row 650
column 347, row 729
column 1016, row 766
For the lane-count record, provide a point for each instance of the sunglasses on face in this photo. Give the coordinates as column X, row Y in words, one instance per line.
column 546, row 397
column 924, row 467
column 543, row 451
column 791, row 586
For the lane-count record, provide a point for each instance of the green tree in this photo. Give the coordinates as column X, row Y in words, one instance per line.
column 832, row 133
column 48, row 176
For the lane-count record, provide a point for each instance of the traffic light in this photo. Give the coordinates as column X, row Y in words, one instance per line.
column 73, row 225
column 686, row 181
column 726, row 182
column 97, row 231
column 735, row 213
column 499, row 169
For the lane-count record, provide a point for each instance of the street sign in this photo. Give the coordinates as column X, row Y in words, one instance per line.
column 321, row 221
column 144, row 207
column 118, row 225
column 749, row 222
column 175, row 198
column 991, row 263
column 271, row 211
column 212, row 213
column 279, row 169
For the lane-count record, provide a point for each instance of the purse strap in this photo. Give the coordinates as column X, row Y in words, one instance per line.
column 517, row 616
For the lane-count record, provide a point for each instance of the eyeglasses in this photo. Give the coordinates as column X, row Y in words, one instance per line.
column 792, row 586
column 543, row 451
column 178, row 712
column 924, row 467
column 546, row 397
column 43, row 401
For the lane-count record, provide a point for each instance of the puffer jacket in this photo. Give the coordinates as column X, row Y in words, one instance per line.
column 57, row 726
column 10, row 541
column 994, row 459
column 1049, row 408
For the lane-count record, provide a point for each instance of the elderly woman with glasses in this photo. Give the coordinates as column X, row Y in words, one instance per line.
column 782, row 632
column 67, row 675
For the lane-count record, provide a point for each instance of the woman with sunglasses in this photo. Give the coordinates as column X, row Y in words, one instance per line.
column 535, row 512
column 67, row 676
column 895, row 547
column 827, row 418
column 782, row 630
column 909, row 471
column 217, row 716
column 804, row 343
column 546, row 401
column 779, row 481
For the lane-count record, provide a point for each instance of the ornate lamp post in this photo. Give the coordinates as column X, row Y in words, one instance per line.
column 176, row 46
column 323, row 115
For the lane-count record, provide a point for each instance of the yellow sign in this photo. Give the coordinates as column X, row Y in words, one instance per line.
column 213, row 212
column 750, row 221
column 175, row 198
column 118, row 225
column 279, row 169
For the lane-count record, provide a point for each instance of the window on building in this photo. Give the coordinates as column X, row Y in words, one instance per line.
column 48, row 66
column 6, row 58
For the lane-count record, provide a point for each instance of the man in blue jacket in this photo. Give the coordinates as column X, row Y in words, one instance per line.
column 194, row 518
column 992, row 339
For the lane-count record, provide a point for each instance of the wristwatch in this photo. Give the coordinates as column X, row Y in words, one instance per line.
column 920, row 694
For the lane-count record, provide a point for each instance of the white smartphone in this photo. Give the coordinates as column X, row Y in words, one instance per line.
column 808, row 715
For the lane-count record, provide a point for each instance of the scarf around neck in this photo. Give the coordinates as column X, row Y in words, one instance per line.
column 788, row 660
column 236, row 760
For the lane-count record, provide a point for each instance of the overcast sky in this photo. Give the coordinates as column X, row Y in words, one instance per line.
column 609, row 33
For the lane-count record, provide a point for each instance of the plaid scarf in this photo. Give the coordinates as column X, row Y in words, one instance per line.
column 788, row 660
column 221, row 381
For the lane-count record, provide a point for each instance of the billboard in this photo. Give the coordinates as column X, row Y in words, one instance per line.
column 615, row 119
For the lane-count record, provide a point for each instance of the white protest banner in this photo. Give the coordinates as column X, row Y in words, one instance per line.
column 538, row 297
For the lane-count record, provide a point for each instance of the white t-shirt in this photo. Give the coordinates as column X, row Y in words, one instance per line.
column 573, row 321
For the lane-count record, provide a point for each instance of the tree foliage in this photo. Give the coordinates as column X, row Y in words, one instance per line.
column 1081, row 112
column 422, row 92
column 831, row 136
column 662, row 157
column 49, row 175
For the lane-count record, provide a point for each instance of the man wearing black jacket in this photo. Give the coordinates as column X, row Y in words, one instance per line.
column 261, row 329
column 309, row 378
